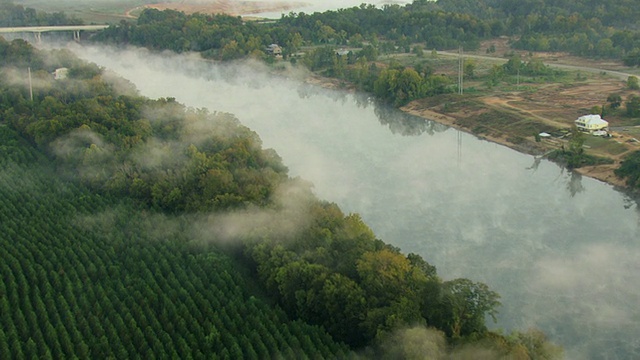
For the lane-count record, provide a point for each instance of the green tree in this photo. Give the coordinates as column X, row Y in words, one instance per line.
column 469, row 68
column 575, row 153
column 633, row 105
column 469, row 303
column 614, row 100
column 513, row 65
column 630, row 169
column 231, row 51
column 418, row 50
column 384, row 275
column 5, row 352
column 345, row 305
column 632, row 83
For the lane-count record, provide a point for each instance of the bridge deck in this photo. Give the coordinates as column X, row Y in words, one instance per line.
column 41, row 29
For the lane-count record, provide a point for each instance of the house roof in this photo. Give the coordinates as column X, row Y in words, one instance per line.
column 592, row 120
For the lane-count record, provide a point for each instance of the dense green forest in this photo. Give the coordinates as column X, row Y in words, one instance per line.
column 596, row 28
column 126, row 213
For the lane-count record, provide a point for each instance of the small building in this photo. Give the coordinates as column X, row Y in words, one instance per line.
column 60, row 73
column 275, row 50
column 591, row 123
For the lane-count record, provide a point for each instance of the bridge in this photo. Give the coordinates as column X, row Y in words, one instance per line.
column 38, row 30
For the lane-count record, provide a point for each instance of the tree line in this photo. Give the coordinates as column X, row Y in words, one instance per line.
column 586, row 28
column 12, row 15
column 593, row 28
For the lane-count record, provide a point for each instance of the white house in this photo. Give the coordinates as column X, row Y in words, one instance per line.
column 591, row 123
column 60, row 73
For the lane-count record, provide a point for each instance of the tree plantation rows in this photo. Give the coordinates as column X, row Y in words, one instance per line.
column 86, row 276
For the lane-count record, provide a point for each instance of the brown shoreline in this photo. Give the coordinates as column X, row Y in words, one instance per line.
column 602, row 173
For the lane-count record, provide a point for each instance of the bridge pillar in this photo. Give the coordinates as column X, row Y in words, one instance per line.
column 38, row 37
column 76, row 35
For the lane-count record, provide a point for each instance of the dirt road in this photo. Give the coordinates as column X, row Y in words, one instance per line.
column 554, row 64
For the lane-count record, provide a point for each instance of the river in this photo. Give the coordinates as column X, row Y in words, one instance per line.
column 561, row 249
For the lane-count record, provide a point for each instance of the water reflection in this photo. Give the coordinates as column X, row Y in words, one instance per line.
column 536, row 163
column 574, row 185
column 406, row 124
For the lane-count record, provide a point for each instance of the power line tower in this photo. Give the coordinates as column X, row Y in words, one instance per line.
column 460, row 91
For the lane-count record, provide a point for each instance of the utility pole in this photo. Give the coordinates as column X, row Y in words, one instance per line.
column 30, row 85
column 460, row 70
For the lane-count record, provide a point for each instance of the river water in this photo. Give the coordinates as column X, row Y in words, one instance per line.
column 561, row 249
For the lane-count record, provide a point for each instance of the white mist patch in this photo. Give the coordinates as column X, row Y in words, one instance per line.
column 413, row 344
column 252, row 94
column 285, row 219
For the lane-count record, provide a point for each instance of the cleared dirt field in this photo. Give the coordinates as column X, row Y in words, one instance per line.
column 512, row 114
column 228, row 6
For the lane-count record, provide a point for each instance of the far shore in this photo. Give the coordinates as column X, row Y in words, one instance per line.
column 603, row 173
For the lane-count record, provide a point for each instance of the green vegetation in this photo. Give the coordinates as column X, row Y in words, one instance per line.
column 605, row 145
column 575, row 156
column 630, row 169
column 597, row 28
column 92, row 276
column 139, row 190
column 16, row 15
column 100, row 135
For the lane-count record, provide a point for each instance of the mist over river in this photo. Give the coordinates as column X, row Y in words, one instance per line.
column 561, row 249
